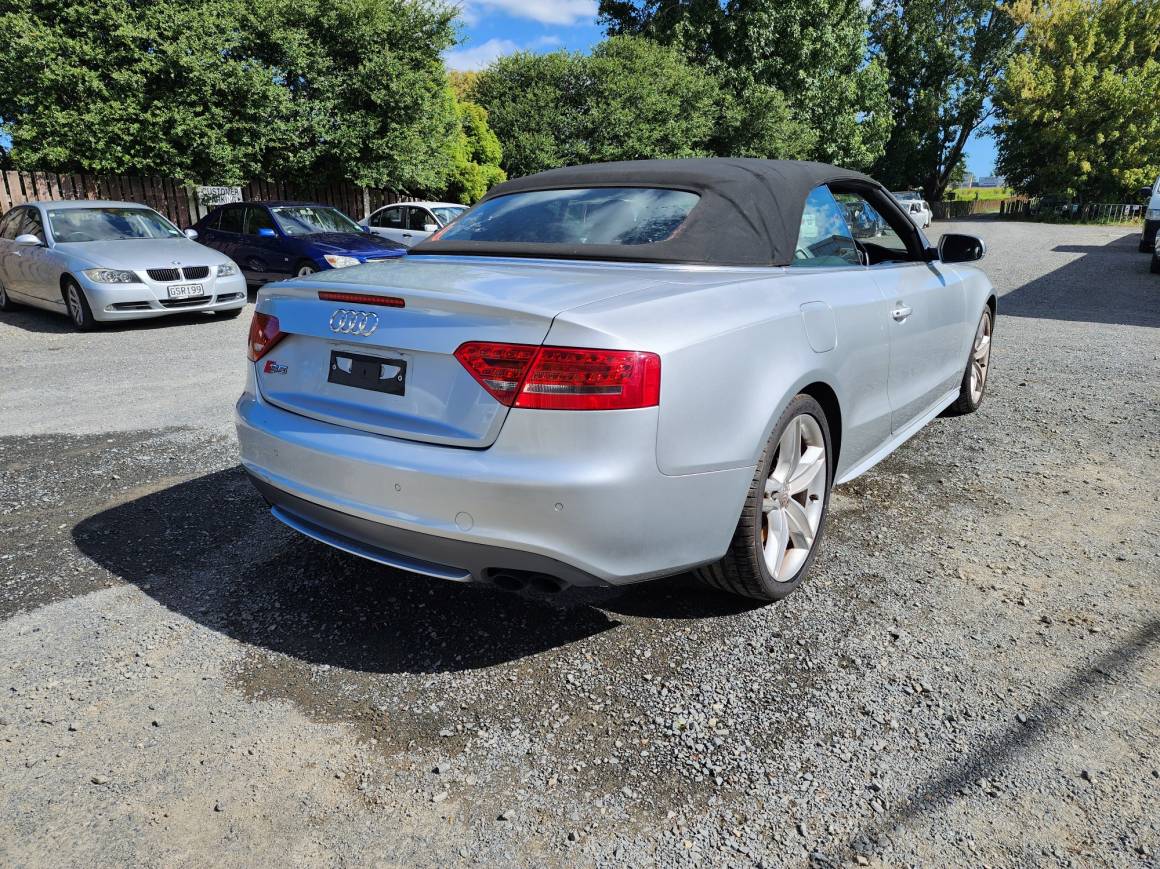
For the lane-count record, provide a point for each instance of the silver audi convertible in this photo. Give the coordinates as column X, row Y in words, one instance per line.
column 605, row 374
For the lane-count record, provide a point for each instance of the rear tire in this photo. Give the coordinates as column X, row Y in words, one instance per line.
column 1143, row 245
column 78, row 306
column 781, row 525
column 1155, row 268
column 974, row 385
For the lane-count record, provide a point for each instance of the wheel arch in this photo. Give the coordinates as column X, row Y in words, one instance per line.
column 824, row 394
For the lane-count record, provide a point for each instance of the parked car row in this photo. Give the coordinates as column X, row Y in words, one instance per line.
column 102, row 261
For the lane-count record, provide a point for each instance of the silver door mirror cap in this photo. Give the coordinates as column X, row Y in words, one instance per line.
column 191, row 234
column 29, row 240
column 430, row 227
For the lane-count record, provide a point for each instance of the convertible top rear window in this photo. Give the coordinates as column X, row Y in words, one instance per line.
column 580, row 216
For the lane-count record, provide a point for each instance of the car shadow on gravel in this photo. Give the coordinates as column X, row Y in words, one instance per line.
column 991, row 757
column 1110, row 283
column 208, row 548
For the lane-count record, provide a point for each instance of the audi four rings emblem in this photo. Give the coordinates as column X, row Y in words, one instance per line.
column 354, row 322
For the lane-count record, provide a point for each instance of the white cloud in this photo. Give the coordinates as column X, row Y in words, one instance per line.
column 544, row 11
column 480, row 56
column 485, row 53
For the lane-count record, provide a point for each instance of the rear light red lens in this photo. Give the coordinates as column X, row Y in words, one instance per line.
column 363, row 299
column 264, row 334
column 564, row 378
column 499, row 368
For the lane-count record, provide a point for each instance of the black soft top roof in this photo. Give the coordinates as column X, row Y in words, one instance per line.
column 749, row 212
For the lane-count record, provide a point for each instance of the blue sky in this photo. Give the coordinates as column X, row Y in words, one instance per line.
column 490, row 28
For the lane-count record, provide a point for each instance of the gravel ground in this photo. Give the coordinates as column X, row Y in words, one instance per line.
column 971, row 676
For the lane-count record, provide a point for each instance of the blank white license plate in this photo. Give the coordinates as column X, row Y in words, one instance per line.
column 186, row 291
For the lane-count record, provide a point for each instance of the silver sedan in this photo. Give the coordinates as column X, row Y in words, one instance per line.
column 101, row 261
column 606, row 374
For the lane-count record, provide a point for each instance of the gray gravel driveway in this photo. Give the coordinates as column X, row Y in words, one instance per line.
column 971, row 676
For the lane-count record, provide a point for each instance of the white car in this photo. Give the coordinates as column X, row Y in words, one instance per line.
column 409, row 223
column 916, row 207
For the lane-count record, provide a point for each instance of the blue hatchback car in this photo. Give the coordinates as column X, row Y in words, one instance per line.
column 275, row 240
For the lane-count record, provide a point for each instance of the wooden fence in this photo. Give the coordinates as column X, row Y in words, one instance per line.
column 176, row 200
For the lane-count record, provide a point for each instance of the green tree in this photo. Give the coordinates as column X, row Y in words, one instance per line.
column 221, row 91
column 533, row 104
column 477, row 155
column 630, row 99
column 944, row 57
column 167, row 87
column 1078, row 112
column 644, row 101
column 366, row 88
column 813, row 53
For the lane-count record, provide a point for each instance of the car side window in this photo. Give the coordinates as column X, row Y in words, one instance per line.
column 420, row 218
column 256, row 219
column 882, row 234
column 231, row 219
column 9, row 223
column 824, row 239
column 390, row 218
column 31, row 224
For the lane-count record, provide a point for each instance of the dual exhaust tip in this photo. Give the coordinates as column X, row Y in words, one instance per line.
column 523, row 580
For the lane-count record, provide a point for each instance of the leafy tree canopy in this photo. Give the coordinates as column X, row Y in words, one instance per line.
column 632, row 98
column 812, row 52
column 944, row 57
column 221, row 91
column 477, row 155
column 1078, row 109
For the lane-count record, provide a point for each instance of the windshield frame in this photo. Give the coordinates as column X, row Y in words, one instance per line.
column 276, row 212
column 172, row 229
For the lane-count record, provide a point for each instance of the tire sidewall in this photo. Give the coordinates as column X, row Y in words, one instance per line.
column 87, row 321
column 304, row 265
column 966, row 387
column 799, row 405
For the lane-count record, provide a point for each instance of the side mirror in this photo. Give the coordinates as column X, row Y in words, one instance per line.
column 266, row 232
column 955, row 248
column 28, row 240
column 191, row 234
column 430, row 227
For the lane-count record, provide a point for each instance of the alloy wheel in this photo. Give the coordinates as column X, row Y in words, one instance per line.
column 75, row 308
column 794, row 498
column 305, row 271
column 981, row 358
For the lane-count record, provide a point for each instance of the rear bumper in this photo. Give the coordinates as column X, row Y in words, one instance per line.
column 576, row 496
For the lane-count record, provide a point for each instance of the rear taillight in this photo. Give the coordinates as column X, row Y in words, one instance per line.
column 264, row 334
column 564, row 378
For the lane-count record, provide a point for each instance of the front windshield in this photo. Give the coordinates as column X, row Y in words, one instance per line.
column 596, row 215
column 73, row 225
column 309, row 219
column 447, row 213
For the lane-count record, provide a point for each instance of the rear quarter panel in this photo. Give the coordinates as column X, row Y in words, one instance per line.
column 734, row 352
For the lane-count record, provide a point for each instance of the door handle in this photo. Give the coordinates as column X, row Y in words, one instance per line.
column 902, row 312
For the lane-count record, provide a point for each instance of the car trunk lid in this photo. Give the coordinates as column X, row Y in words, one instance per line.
column 388, row 366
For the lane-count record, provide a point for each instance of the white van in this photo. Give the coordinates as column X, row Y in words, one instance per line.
column 1151, row 218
